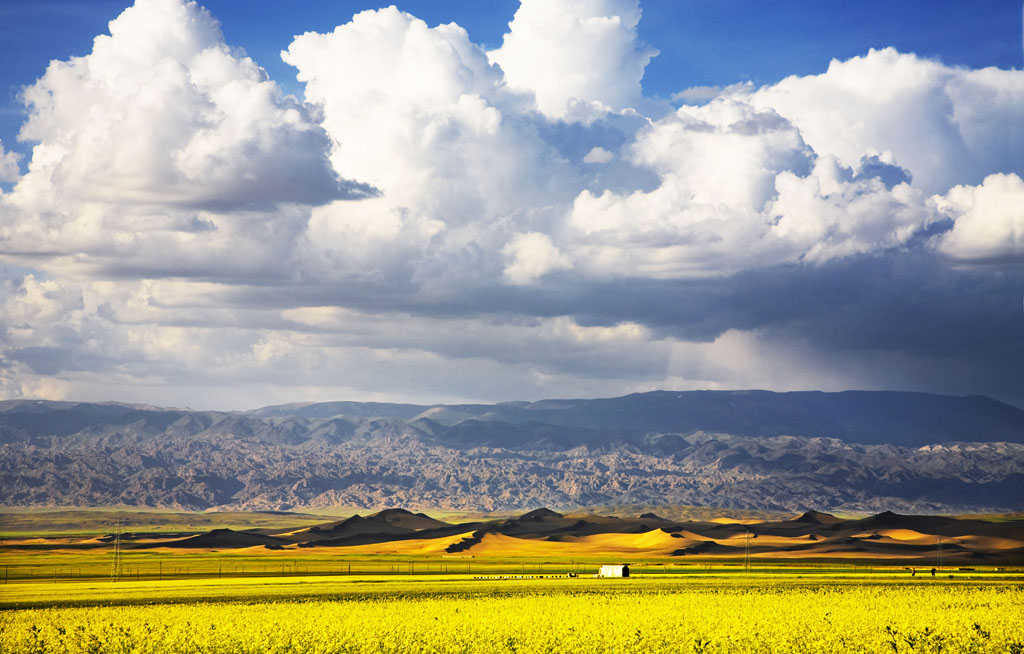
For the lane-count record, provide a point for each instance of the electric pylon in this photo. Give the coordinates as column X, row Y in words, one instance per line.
column 115, row 565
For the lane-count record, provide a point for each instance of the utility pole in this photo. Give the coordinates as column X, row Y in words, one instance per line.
column 115, row 567
column 746, row 553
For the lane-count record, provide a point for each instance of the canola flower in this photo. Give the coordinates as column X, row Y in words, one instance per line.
column 826, row 619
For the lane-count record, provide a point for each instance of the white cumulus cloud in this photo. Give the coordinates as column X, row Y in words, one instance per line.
column 988, row 220
column 163, row 152
column 739, row 189
column 162, row 113
column 531, row 256
column 575, row 50
column 460, row 164
column 9, row 170
column 598, row 155
column 946, row 125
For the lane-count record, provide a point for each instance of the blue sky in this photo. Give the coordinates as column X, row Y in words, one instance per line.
column 535, row 207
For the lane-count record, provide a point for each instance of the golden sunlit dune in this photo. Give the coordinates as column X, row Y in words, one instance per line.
column 47, row 541
column 968, row 541
column 653, row 542
column 689, row 535
column 152, row 542
column 906, row 535
column 764, row 540
column 740, row 539
column 779, row 541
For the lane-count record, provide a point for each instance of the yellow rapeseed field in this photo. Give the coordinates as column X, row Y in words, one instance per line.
column 854, row 618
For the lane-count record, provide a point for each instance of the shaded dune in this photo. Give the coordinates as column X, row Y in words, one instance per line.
column 708, row 547
column 410, row 546
column 465, row 543
column 387, row 537
column 380, row 526
column 221, row 539
column 539, row 515
column 818, row 518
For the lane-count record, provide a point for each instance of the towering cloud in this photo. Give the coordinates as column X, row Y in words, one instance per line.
column 163, row 143
column 575, row 56
column 162, row 113
column 421, row 114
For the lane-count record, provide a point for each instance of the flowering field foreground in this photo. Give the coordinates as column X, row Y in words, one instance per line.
column 859, row 618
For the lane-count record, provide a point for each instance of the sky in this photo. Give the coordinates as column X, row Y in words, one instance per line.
column 227, row 205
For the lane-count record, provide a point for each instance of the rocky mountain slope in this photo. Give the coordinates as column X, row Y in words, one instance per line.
column 856, row 451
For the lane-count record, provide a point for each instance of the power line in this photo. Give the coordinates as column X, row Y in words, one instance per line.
column 115, row 566
column 746, row 553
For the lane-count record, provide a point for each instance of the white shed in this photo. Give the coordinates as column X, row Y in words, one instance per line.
column 613, row 571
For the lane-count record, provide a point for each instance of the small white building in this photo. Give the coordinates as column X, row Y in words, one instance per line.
column 613, row 571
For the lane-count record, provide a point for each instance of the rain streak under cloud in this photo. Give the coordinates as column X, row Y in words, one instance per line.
column 436, row 221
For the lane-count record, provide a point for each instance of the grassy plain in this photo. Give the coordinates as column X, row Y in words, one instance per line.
column 56, row 566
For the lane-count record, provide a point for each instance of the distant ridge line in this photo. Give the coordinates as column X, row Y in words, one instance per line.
column 853, row 451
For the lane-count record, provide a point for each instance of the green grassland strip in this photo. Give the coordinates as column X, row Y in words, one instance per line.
column 54, row 566
column 18, row 522
column 129, row 593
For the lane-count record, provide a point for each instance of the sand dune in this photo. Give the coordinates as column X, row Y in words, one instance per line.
column 760, row 541
column 410, row 546
column 545, row 533
column 654, row 542
column 225, row 538
column 991, row 542
column 907, row 535
column 689, row 535
column 656, row 539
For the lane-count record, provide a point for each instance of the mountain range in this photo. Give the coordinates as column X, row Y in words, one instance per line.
column 852, row 451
